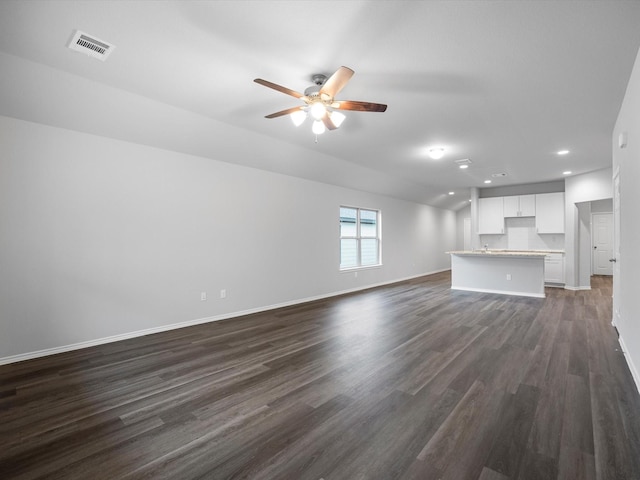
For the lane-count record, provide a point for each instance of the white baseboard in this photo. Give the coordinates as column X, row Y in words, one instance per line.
column 575, row 289
column 501, row 292
column 165, row 328
column 635, row 373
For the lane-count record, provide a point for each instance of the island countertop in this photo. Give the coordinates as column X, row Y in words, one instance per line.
column 502, row 253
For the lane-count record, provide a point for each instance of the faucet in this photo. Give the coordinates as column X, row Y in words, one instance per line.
column 486, row 247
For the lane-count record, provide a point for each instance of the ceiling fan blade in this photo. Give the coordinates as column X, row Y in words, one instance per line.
column 279, row 88
column 359, row 106
column 281, row 113
column 328, row 123
column 336, row 82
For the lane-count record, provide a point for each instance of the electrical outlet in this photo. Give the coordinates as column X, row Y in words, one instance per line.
column 203, row 296
column 355, row 274
column 223, row 293
column 508, row 276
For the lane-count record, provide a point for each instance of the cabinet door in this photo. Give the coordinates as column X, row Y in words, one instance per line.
column 511, row 206
column 490, row 215
column 554, row 268
column 520, row 206
column 550, row 213
column 527, row 206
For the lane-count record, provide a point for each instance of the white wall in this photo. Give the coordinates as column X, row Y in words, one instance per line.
column 584, row 253
column 602, row 206
column 464, row 212
column 100, row 238
column 580, row 190
column 627, row 160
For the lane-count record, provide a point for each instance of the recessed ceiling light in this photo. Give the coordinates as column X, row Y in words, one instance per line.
column 464, row 165
column 562, row 152
column 436, row 153
column 452, row 193
column 487, row 181
column 568, row 172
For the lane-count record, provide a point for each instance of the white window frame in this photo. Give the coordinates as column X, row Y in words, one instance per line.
column 358, row 238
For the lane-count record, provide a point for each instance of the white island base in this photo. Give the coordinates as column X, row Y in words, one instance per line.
column 509, row 273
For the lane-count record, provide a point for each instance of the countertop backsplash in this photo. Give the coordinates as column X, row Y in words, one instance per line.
column 521, row 235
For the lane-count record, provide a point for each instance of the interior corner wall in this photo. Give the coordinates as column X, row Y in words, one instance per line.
column 578, row 190
column 461, row 214
column 101, row 238
column 626, row 161
column 584, row 245
column 474, row 193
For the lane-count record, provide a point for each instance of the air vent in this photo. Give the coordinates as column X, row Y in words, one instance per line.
column 89, row 45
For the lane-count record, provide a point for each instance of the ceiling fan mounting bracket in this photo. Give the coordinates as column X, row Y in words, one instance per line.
column 319, row 79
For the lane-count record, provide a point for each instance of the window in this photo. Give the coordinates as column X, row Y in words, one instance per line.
column 359, row 237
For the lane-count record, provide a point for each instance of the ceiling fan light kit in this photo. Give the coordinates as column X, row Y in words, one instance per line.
column 320, row 102
column 337, row 118
column 318, row 110
column 318, row 127
column 298, row 117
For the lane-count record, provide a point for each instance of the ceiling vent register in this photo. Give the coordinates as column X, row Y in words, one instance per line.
column 89, row 45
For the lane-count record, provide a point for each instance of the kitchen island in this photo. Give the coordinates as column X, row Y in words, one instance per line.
column 495, row 271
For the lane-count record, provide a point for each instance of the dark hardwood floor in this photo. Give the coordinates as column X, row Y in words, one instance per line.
column 408, row 381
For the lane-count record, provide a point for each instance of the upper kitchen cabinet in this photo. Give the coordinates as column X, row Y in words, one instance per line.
column 520, row 206
column 490, row 216
column 550, row 212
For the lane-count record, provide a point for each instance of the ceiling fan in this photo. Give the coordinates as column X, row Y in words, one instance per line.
column 320, row 102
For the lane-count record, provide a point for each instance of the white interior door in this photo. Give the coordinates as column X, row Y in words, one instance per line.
column 616, row 249
column 602, row 237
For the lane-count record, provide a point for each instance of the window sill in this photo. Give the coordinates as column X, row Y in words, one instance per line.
column 356, row 269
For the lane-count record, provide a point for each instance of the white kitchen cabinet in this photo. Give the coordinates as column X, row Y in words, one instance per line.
column 550, row 212
column 520, row 206
column 511, row 206
column 554, row 268
column 490, row 216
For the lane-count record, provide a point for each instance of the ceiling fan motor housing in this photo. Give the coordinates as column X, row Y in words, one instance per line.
column 314, row 90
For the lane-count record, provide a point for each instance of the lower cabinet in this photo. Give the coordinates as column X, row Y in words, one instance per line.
column 554, row 268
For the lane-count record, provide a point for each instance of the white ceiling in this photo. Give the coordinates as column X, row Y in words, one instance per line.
column 506, row 84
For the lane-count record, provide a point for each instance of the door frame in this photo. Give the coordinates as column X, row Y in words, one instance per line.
column 615, row 311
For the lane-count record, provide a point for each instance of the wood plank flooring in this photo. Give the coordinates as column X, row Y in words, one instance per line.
column 408, row 381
